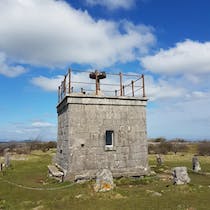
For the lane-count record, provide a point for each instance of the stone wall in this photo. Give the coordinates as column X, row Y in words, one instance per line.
column 82, row 124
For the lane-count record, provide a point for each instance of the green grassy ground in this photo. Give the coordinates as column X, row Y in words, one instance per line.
column 156, row 192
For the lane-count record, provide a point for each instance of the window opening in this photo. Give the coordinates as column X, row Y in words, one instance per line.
column 109, row 138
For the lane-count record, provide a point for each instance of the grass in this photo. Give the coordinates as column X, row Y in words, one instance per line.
column 148, row 193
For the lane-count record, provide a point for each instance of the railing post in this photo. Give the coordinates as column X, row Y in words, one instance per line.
column 59, row 97
column 97, row 82
column 64, row 85
column 143, row 86
column 121, row 85
column 69, row 80
column 63, row 88
column 123, row 90
column 132, row 83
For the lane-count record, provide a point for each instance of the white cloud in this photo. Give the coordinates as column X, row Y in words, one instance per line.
column 37, row 130
column 188, row 119
column 53, row 33
column 188, row 57
column 51, row 84
column 113, row 4
column 48, row 84
column 41, row 124
column 9, row 70
column 163, row 89
column 180, row 106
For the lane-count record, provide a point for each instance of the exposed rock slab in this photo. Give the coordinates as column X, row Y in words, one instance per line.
column 54, row 171
column 104, row 181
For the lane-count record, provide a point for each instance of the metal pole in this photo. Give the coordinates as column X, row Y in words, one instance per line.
column 143, row 86
column 132, row 83
column 59, row 90
column 121, row 90
column 69, row 80
column 96, row 72
column 64, row 85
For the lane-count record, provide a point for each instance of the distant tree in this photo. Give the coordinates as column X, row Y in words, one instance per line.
column 160, row 139
column 35, row 145
column 179, row 140
column 161, row 148
column 152, row 149
column 204, row 148
column 1, row 150
column 179, row 147
column 165, row 147
column 51, row 144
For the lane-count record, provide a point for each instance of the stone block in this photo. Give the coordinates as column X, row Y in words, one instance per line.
column 104, row 181
column 180, row 175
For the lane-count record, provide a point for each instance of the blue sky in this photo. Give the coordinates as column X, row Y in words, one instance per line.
column 168, row 41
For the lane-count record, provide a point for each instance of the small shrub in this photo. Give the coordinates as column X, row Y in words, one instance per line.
column 160, row 139
column 152, row 148
column 23, row 150
column 51, row 144
column 166, row 147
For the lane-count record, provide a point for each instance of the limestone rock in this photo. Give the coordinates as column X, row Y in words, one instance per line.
column 118, row 196
column 159, row 160
column 7, row 160
column 156, row 194
column 197, row 167
column 195, row 164
column 54, row 171
column 180, row 175
column 1, row 166
column 83, row 177
column 152, row 173
column 78, row 196
column 104, row 181
column 153, row 193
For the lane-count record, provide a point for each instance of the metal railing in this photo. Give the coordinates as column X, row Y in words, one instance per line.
column 120, row 84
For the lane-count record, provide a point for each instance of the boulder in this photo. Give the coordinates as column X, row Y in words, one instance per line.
column 1, row 166
column 156, row 194
column 197, row 167
column 6, row 160
column 180, row 175
column 195, row 164
column 55, row 173
column 159, row 160
column 104, row 181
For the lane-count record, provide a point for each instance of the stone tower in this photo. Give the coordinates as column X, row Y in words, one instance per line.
column 97, row 131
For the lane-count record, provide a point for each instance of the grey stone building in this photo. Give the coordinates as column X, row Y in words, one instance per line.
column 97, row 131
